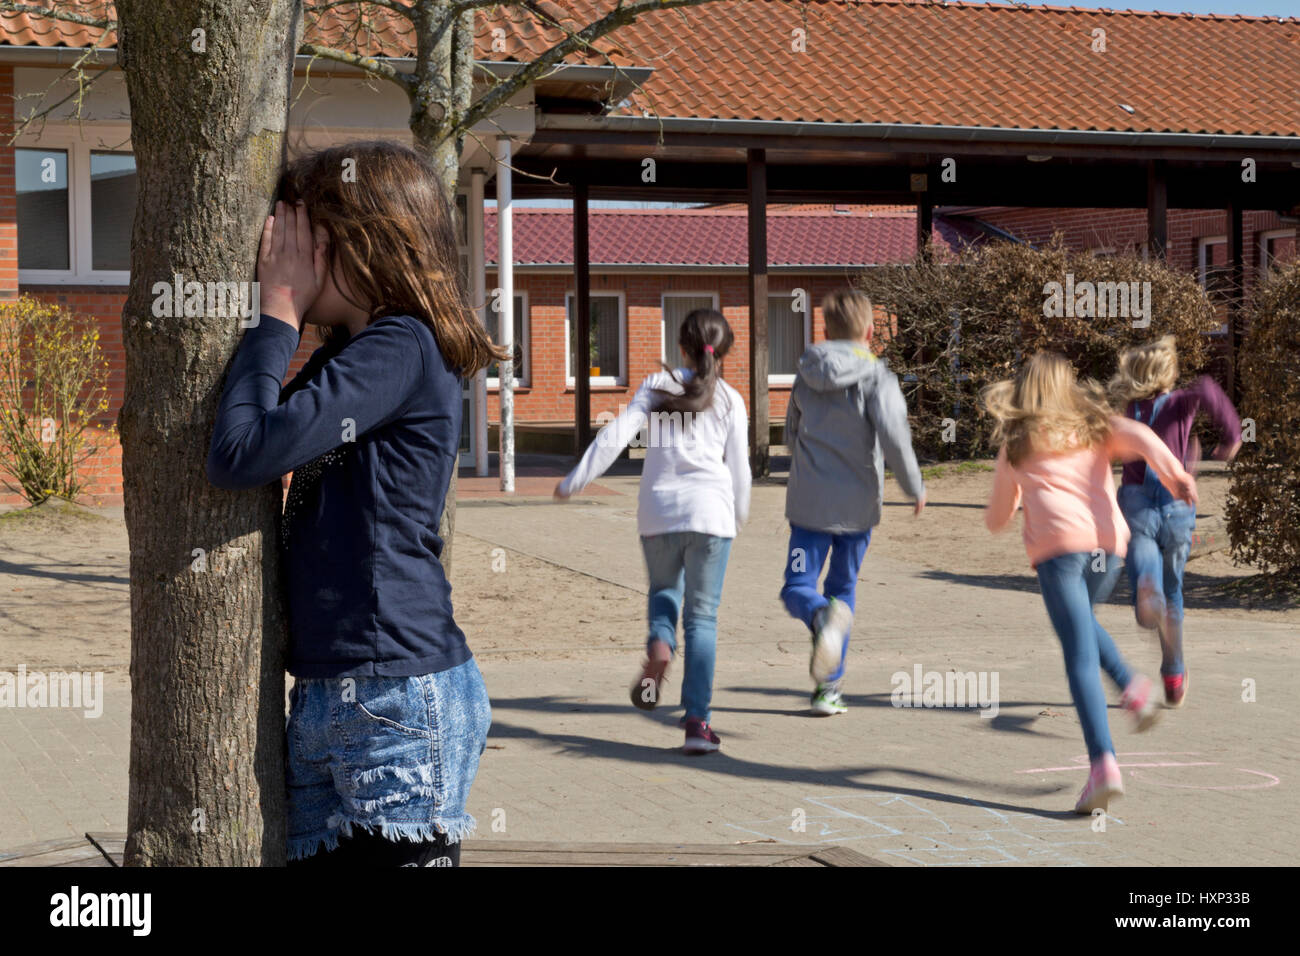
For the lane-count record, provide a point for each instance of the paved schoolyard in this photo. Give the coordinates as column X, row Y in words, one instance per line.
column 551, row 597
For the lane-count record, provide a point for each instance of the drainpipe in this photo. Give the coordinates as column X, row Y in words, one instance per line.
column 478, row 289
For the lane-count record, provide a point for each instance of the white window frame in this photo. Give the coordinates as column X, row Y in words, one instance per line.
column 78, row 143
column 1264, row 237
column 1203, row 245
column 1104, row 251
column 663, row 312
column 494, row 381
column 599, row 381
column 807, row 337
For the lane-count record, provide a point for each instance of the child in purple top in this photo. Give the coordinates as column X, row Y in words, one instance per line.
column 1161, row 526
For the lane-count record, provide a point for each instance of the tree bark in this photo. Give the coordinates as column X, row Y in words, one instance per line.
column 207, row 775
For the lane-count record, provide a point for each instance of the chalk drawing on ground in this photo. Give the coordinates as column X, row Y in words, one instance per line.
column 932, row 833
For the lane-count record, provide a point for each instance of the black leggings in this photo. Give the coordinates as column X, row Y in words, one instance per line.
column 366, row 849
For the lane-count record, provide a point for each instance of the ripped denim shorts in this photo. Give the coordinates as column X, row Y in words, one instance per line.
column 396, row 755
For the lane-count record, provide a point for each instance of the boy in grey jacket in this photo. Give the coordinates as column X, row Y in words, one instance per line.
column 845, row 410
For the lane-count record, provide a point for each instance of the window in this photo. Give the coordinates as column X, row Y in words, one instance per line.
column 76, row 195
column 1276, row 246
column 676, row 307
column 605, row 349
column 787, row 336
column 519, row 341
column 1215, row 274
column 44, row 220
column 112, row 207
column 1104, row 252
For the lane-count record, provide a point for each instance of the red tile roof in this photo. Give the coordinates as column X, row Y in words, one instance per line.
column 894, row 61
column 715, row 237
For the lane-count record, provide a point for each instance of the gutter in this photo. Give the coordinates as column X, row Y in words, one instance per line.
column 906, row 132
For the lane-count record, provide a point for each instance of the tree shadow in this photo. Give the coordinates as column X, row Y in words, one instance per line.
column 723, row 763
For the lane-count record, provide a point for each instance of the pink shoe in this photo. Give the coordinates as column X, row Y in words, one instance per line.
column 1104, row 782
column 1175, row 689
column 648, row 689
column 1139, row 699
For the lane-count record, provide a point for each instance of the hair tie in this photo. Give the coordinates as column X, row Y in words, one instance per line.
column 709, row 349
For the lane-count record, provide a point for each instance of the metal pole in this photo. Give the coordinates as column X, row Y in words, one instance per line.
column 758, row 345
column 478, row 287
column 506, row 325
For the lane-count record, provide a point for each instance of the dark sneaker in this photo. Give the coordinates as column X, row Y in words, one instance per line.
column 700, row 738
column 648, row 689
column 1175, row 689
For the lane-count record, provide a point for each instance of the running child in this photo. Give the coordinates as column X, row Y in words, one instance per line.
column 1058, row 438
column 1160, row 526
column 846, row 408
column 388, row 713
column 693, row 499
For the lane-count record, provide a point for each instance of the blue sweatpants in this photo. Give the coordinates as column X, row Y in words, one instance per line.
column 805, row 559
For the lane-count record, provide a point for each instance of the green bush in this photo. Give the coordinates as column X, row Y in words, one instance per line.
column 53, row 386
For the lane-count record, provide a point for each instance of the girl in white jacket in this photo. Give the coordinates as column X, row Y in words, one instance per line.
column 694, row 496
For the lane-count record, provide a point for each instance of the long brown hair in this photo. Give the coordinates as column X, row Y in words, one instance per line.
column 706, row 338
column 1046, row 408
column 392, row 237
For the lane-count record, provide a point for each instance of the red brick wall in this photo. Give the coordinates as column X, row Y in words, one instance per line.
column 1126, row 229
column 548, row 397
column 8, row 197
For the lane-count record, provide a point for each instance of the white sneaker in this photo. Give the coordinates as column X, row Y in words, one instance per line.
column 830, row 630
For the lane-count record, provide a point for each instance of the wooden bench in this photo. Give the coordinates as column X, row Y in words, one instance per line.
column 105, row 849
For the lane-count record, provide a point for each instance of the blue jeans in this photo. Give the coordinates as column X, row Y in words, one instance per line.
column 1160, row 529
column 393, row 755
column 1071, row 585
column 686, row 570
column 804, row 561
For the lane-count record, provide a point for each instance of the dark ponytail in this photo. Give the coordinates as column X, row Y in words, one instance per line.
column 706, row 339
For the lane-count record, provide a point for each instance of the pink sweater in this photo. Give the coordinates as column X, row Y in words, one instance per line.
column 1069, row 497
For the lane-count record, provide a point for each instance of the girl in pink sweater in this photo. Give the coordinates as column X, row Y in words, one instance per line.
column 1058, row 438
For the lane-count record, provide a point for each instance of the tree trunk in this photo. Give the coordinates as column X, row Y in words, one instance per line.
column 207, row 626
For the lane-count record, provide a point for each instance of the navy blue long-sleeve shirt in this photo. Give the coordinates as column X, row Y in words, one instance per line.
column 370, row 430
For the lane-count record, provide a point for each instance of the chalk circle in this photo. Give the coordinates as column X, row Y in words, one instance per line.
column 1272, row 781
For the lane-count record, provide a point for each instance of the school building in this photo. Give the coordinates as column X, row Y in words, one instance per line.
column 818, row 139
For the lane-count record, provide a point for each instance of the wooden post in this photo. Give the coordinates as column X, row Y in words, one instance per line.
column 1157, row 211
column 924, row 220
column 756, row 177
column 1236, row 290
column 582, row 320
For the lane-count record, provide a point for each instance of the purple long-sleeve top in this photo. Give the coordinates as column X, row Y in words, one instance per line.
column 1174, row 424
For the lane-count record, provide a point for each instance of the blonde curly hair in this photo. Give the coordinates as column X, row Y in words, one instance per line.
column 1144, row 371
column 1045, row 408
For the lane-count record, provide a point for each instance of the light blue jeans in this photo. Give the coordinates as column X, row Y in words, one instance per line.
column 686, row 570
column 393, row 755
column 1071, row 585
column 1160, row 539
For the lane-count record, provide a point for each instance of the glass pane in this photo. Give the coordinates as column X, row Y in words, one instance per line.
column 41, row 179
column 603, row 353
column 785, row 341
column 494, row 327
column 112, row 206
column 676, row 309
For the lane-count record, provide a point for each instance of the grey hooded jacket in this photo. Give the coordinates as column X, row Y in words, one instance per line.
column 845, row 409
